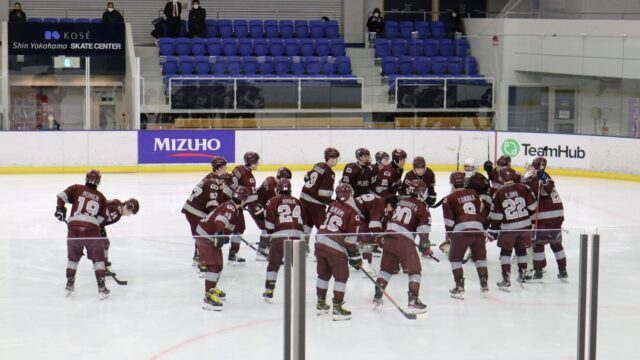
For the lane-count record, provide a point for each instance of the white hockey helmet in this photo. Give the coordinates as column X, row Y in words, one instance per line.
column 470, row 167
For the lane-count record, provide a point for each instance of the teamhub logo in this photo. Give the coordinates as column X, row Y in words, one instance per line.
column 52, row 35
column 512, row 148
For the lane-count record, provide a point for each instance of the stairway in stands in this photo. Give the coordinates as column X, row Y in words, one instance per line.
column 152, row 94
column 376, row 92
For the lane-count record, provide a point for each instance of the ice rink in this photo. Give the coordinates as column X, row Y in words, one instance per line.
column 159, row 315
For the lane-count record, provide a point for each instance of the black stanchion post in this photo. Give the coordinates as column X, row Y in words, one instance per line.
column 582, row 297
column 593, row 314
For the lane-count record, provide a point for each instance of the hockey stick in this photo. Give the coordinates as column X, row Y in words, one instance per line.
column 406, row 314
column 458, row 155
column 119, row 282
column 430, row 255
column 259, row 251
column 436, row 204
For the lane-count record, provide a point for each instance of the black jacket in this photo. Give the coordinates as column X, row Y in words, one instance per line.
column 375, row 25
column 196, row 20
column 113, row 17
column 168, row 10
column 17, row 16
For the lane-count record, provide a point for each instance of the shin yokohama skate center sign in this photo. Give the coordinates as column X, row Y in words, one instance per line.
column 185, row 146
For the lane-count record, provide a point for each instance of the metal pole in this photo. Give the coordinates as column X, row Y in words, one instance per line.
column 287, row 298
column 299, row 257
column 593, row 316
column 582, row 297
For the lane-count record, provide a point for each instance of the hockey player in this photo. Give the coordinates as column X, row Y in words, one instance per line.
column 266, row 191
column 243, row 175
column 389, row 178
column 410, row 216
column 212, row 234
column 372, row 210
column 115, row 211
column 318, row 190
column 336, row 249
column 204, row 198
column 88, row 213
column 464, row 220
column 422, row 172
column 548, row 220
column 358, row 174
column 382, row 159
column 493, row 173
column 510, row 223
column 283, row 220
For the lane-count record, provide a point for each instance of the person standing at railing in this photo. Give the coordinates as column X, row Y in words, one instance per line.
column 17, row 15
column 172, row 11
column 375, row 23
column 111, row 15
column 197, row 16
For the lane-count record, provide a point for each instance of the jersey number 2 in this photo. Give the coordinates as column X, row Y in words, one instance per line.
column 514, row 208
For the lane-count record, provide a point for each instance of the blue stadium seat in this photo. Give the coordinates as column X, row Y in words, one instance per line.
column 437, row 29
column 307, row 47
column 454, row 65
column 291, row 47
column 445, row 47
column 406, row 28
column 461, row 47
column 212, row 28
column 423, row 29
column 214, row 46
column 430, row 47
column 286, row 28
column 167, row 46
column 276, row 47
column 198, row 46
column 265, row 65
column 438, row 64
column 422, row 66
column 391, row 29
column 34, row 20
column 389, row 65
column 185, row 63
column 271, row 29
column 67, row 20
column 329, row 65
column 313, row 65
column 338, row 47
column 183, row 46
column 261, row 47
column 218, row 65
column 250, row 65
column 201, row 65
column 405, row 65
column 241, row 28
column 343, row 65
column 316, row 29
column 415, row 47
column 169, row 65
column 256, row 28
column 225, row 28
column 245, row 46
column 83, row 20
column 470, row 65
column 50, row 20
column 301, row 29
column 229, row 46
column 383, row 48
column 234, row 65
column 184, row 28
column 323, row 47
column 281, row 65
column 398, row 47
column 331, row 29
column 96, row 21
column 297, row 66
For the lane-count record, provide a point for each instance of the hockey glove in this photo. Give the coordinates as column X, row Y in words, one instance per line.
column 218, row 241
column 424, row 245
column 543, row 176
column 488, row 166
column 61, row 213
column 103, row 232
column 355, row 259
column 492, row 235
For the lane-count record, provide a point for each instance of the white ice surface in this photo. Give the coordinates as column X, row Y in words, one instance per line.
column 159, row 316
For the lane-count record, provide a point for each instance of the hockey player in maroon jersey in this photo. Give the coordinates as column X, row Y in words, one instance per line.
column 389, row 178
column 204, row 198
column 359, row 174
column 411, row 216
column 548, row 220
column 510, row 223
column 464, row 220
column 382, row 159
column 372, row 210
column 243, row 175
column 493, row 173
column 88, row 214
column 266, row 191
column 283, row 220
column 212, row 234
column 422, row 172
column 336, row 249
column 115, row 211
column 318, row 190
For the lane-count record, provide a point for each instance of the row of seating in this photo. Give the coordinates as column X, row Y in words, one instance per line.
column 279, row 66
column 64, row 20
column 418, row 47
column 404, row 29
column 248, row 46
column 273, row 28
column 438, row 80
column 422, row 65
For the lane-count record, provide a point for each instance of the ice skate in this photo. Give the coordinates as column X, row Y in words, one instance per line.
column 563, row 275
column 484, row 287
column 219, row 293
column 196, row 260
column 322, row 307
column 262, row 255
column 523, row 277
column 103, row 292
column 369, row 270
column 416, row 306
column 376, row 252
column 70, row 288
column 377, row 299
column 212, row 301
column 340, row 313
column 234, row 259
column 537, row 277
column 268, row 296
column 458, row 291
column 505, row 284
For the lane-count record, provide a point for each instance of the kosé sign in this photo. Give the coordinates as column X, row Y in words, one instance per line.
column 185, row 146
column 562, row 151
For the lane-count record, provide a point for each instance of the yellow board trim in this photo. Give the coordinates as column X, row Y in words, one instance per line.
column 272, row 168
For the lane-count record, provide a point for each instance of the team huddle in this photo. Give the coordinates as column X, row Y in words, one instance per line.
column 373, row 210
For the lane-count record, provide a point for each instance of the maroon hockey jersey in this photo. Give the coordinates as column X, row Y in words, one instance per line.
column 89, row 206
column 358, row 177
column 428, row 177
column 204, row 197
column 512, row 207
column 318, row 185
column 371, row 209
column 463, row 211
column 224, row 220
column 340, row 228
column 267, row 189
column 388, row 180
column 410, row 216
column 284, row 216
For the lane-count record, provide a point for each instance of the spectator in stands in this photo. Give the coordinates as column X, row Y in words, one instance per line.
column 455, row 27
column 197, row 16
column 172, row 11
column 375, row 24
column 324, row 19
column 112, row 16
column 17, row 15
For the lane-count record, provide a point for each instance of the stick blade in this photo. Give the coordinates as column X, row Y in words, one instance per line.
column 411, row 316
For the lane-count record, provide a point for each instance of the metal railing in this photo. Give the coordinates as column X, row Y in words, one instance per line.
column 445, row 82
